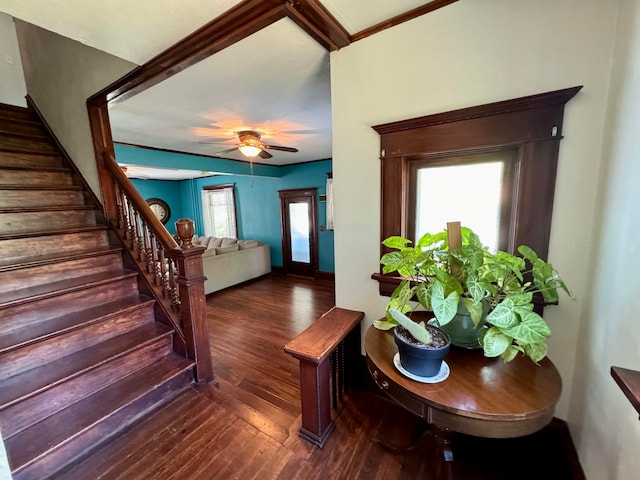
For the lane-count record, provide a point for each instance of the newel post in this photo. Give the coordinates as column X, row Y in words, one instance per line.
column 193, row 307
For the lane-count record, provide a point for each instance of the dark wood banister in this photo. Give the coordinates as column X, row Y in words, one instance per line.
column 175, row 275
column 149, row 218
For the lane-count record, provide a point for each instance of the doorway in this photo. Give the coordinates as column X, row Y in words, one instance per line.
column 298, row 211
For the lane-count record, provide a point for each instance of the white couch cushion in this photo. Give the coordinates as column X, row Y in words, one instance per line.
column 228, row 241
column 227, row 249
column 247, row 244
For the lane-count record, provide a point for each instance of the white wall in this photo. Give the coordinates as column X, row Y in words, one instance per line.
column 471, row 53
column 12, row 87
column 609, row 433
column 60, row 75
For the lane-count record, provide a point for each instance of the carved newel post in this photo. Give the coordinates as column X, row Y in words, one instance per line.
column 193, row 306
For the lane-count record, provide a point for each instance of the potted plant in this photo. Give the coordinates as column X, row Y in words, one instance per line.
column 421, row 347
column 497, row 289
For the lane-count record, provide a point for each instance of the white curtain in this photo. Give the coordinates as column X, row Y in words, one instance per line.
column 330, row 203
column 219, row 212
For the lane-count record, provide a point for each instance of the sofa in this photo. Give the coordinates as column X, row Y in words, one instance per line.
column 230, row 261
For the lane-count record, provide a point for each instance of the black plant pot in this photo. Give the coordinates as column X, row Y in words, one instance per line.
column 420, row 359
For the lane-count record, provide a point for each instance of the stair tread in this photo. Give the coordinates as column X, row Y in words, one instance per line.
column 9, row 111
column 36, row 169
column 14, row 132
column 17, row 297
column 29, row 188
column 29, row 444
column 49, row 258
column 33, row 381
column 61, row 231
column 31, row 333
column 46, row 208
column 42, row 154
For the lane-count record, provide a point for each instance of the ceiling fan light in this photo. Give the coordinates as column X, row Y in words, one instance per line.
column 249, row 150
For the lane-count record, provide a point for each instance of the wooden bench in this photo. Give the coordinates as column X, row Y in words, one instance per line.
column 321, row 350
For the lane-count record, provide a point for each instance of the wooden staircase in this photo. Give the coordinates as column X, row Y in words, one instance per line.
column 81, row 353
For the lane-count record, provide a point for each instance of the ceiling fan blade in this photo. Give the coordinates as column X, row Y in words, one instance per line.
column 282, row 149
column 229, row 150
column 265, row 154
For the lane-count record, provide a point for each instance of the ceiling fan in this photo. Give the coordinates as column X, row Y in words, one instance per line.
column 250, row 145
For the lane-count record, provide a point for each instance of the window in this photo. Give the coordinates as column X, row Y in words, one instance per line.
column 524, row 133
column 476, row 190
column 219, row 211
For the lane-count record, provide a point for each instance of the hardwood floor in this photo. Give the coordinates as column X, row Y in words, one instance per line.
column 246, row 426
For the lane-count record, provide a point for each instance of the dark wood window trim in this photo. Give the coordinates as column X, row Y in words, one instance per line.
column 221, row 187
column 531, row 126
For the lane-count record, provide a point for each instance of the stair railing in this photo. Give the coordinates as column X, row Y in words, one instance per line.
column 173, row 272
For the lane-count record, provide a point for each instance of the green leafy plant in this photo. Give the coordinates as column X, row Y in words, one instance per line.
column 439, row 277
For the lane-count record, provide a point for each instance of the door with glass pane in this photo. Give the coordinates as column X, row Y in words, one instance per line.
column 299, row 231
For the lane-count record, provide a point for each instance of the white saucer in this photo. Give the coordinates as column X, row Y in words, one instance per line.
column 439, row 377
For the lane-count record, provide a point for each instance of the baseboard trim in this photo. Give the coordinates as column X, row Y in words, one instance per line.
column 318, row 274
column 326, row 275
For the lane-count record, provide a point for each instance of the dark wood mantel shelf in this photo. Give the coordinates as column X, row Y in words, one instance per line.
column 629, row 382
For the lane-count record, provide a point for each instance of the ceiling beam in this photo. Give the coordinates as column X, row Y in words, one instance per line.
column 239, row 22
column 404, row 17
column 315, row 19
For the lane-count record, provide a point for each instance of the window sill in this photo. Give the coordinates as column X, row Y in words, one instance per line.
column 629, row 383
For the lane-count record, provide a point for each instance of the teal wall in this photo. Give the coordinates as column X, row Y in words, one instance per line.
column 257, row 199
column 168, row 191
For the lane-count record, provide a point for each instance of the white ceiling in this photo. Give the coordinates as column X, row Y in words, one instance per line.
column 276, row 81
column 151, row 173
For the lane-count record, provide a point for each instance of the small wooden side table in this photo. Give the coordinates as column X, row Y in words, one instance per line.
column 482, row 396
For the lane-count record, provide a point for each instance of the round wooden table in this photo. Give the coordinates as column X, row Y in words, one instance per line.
column 482, row 396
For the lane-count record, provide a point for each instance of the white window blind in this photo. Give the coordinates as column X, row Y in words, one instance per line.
column 219, row 212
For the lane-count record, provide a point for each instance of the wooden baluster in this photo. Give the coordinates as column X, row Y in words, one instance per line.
column 160, row 276
column 173, row 286
column 138, row 247
column 146, row 241
column 130, row 226
column 154, row 253
column 119, row 210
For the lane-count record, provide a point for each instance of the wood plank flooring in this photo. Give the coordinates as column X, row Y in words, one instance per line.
column 246, row 426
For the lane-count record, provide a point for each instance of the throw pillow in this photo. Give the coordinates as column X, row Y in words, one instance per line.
column 215, row 242
column 243, row 244
column 227, row 249
column 228, row 241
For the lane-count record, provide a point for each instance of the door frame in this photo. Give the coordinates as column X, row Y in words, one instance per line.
column 288, row 264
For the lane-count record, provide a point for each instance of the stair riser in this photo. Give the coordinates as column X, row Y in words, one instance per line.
column 20, row 316
column 16, row 126
column 32, row 410
column 34, row 178
column 102, row 431
column 26, row 358
column 28, row 277
column 29, row 160
column 18, row 113
column 27, row 144
column 39, row 198
column 39, row 221
column 16, row 250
